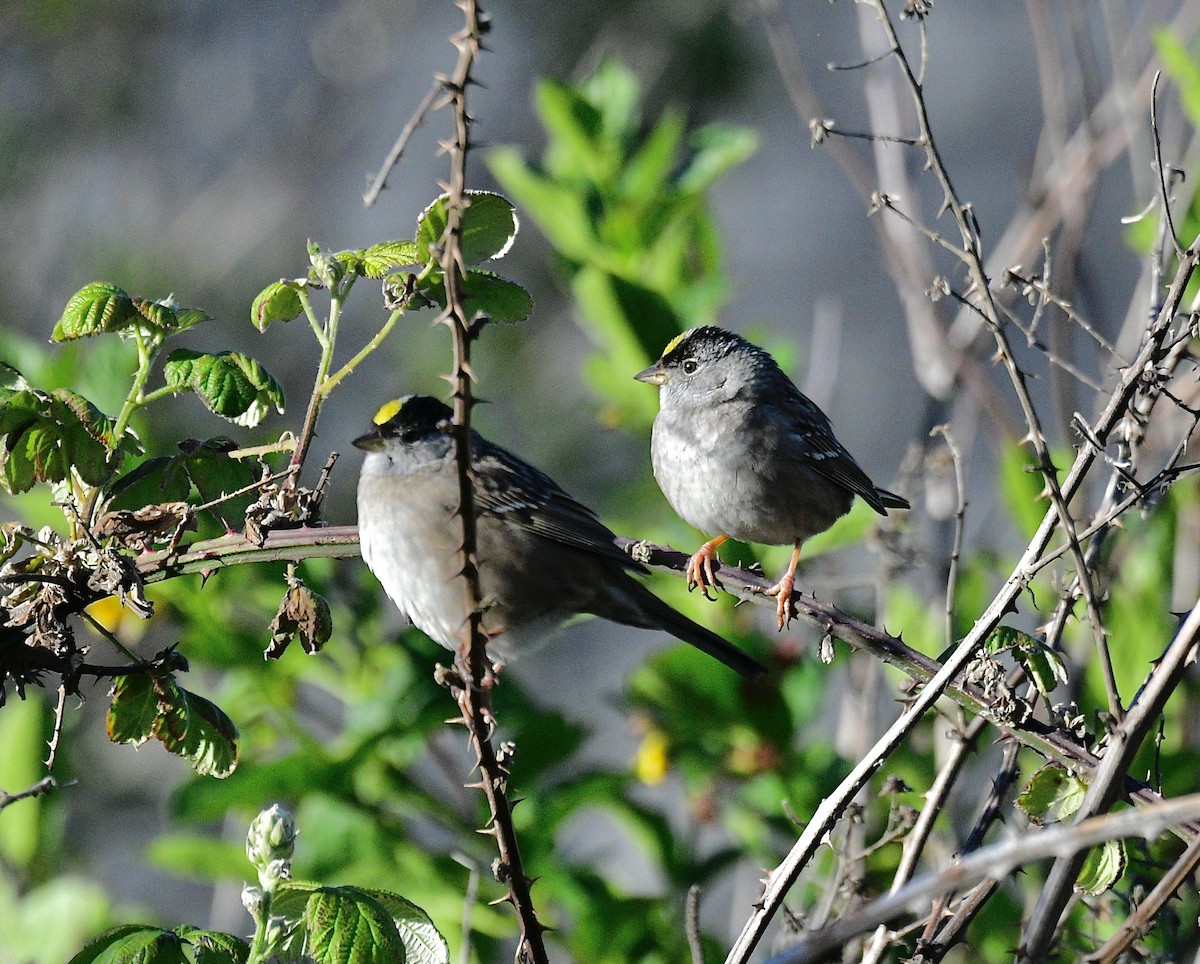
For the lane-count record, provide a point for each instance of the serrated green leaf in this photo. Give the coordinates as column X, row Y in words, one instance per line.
column 346, row 926
column 156, row 314
column 214, row 947
column 379, row 259
column 423, row 942
column 211, row 740
column 18, row 471
column 1052, row 794
column 98, row 425
column 47, row 435
column 41, row 444
column 230, row 384
column 133, row 944
column 489, row 225
column 483, row 293
column 186, row 318
column 148, row 704
column 1044, row 666
column 278, row 301
column 93, row 309
column 195, row 728
column 133, row 710
column 11, row 380
column 155, row 480
column 1005, row 638
column 1102, row 867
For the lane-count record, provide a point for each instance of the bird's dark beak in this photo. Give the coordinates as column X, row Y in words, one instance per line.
column 654, row 375
column 373, row 441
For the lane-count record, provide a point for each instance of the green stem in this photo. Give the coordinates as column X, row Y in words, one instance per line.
column 258, row 948
column 147, row 349
column 332, row 381
column 328, row 338
column 313, row 321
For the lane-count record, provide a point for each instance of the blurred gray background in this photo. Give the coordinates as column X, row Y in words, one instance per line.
column 193, row 147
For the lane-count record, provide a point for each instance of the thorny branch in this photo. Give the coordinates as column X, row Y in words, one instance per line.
column 1131, row 386
column 475, row 677
column 997, row 860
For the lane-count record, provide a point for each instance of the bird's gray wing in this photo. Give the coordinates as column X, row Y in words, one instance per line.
column 510, row 488
column 812, row 433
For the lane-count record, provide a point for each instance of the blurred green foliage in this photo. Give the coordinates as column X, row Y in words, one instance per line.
column 353, row 739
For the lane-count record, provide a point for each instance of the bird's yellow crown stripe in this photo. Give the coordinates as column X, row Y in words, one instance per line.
column 387, row 411
column 675, row 342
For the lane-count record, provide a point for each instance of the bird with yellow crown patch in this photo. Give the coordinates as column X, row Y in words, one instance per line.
column 741, row 453
column 543, row 557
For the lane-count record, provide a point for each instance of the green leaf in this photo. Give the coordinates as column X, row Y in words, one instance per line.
column 1052, row 794
column 379, row 259
column 1044, row 666
column 1102, row 867
column 646, row 173
column 196, row 729
column 93, row 309
column 423, row 943
column 346, row 926
column 153, row 705
column 156, row 313
column 489, row 225
column 717, row 149
column 133, row 710
column 483, row 293
column 133, row 944
column 186, row 318
column 230, row 384
column 48, row 435
column 201, row 857
column 214, row 947
column 278, row 301
column 11, row 380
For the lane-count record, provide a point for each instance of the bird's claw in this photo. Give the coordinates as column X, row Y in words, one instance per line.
column 782, row 591
column 700, row 572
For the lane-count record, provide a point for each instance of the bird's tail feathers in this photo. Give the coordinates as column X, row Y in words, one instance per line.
column 656, row 614
column 889, row 500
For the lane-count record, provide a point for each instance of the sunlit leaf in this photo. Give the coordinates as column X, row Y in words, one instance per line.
column 1052, row 794
column 278, row 301
column 346, row 926
column 231, row 384
column 95, row 308
column 133, row 944
column 1102, row 867
column 489, row 225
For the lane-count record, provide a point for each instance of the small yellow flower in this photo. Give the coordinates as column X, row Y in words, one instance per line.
column 651, row 764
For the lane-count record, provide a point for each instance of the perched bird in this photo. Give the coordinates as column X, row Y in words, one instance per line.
column 543, row 557
column 739, row 451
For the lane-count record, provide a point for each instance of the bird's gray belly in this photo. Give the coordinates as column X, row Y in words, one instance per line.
column 718, row 494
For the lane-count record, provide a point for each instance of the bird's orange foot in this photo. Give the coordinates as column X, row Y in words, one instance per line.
column 782, row 591
column 700, row 570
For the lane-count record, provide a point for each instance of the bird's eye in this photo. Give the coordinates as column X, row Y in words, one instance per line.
column 689, row 366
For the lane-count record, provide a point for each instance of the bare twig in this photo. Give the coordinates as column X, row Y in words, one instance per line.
column 691, row 924
column 782, row 878
column 44, row 785
column 471, row 658
column 1104, row 789
column 379, row 181
column 998, row 860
